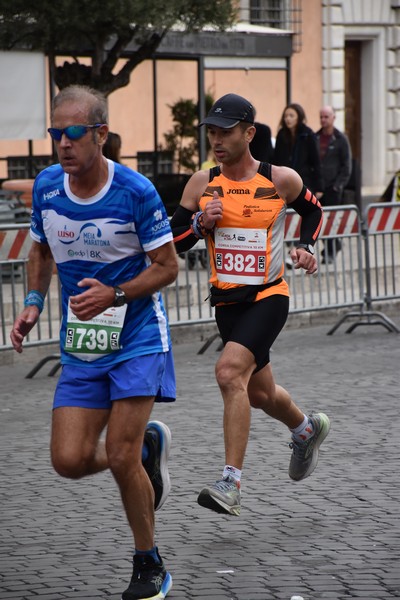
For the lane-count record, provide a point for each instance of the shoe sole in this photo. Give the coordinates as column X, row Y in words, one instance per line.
column 166, row 445
column 326, row 426
column 165, row 588
column 206, row 500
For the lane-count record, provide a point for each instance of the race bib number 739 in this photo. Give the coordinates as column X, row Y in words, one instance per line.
column 88, row 340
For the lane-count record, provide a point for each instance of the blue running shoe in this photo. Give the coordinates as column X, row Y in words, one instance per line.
column 157, row 438
column 150, row 580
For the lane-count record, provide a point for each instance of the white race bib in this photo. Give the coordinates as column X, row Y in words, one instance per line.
column 240, row 255
column 89, row 340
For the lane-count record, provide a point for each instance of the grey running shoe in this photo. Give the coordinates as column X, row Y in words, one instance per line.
column 222, row 497
column 150, row 580
column 305, row 454
column 158, row 440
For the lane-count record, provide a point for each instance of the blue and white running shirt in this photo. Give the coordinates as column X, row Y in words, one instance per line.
column 105, row 237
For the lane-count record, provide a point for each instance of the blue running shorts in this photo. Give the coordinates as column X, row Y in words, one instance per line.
column 98, row 387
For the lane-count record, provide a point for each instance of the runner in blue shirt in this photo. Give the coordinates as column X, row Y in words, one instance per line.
column 106, row 229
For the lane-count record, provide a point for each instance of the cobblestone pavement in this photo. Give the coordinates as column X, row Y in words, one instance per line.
column 335, row 535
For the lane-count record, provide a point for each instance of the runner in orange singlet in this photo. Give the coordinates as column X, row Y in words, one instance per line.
column 239, row 208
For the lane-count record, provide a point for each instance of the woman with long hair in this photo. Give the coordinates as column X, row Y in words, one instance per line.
column 296, row 147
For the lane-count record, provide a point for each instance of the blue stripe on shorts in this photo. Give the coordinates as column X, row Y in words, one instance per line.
column 98, row 387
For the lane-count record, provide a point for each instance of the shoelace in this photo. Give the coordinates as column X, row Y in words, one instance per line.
column 299, row 448
column 147, row 573
column 225, row 485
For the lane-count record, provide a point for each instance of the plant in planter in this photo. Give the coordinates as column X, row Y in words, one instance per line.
column 182, row 139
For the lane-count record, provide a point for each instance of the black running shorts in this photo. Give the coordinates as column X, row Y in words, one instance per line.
column 254, row 325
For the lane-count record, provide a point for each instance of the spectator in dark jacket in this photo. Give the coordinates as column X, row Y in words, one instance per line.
column 112, row 147
column 296, row 147
column 261, row 145
column 335, row 154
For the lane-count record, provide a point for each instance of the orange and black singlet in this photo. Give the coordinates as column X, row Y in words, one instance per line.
column 246, row 246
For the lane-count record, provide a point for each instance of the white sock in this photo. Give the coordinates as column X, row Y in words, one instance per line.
column 303, row 431
column 232, row 472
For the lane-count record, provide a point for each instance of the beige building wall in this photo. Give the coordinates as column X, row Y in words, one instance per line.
column 131, row 108
column 307, row 64
column 317, row 77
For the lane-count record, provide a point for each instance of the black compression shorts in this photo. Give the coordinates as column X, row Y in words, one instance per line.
column 254, row 325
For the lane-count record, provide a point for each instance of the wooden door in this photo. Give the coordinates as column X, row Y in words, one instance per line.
column 353, row 96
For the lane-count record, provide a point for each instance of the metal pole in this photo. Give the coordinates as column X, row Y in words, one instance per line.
column 155, row 120
column 30, row 159
column 52, row 93
column 288, row 81
column 201, row 110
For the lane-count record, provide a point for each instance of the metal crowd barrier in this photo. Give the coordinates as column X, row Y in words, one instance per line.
column 365, row 271
column 338, row 284
column 381, row 251
column 15, row 243
column 186, row 300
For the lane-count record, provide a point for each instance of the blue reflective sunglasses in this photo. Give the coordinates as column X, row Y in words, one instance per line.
column 73, row 132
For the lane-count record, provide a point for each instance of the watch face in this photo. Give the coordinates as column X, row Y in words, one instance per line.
column 120, row 298
column 307, row 247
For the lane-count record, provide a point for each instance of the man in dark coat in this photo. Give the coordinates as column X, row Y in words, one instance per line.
column 335, row 154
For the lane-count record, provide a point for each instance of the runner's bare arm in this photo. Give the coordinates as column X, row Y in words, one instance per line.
column 287, row 183
column 194, row 190
column 40, row 267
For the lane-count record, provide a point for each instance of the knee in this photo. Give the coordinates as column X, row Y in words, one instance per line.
column 227, row 376
column 70, row 464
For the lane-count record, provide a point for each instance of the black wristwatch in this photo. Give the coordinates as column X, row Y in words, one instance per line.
column 120, row 298
column 307, row 247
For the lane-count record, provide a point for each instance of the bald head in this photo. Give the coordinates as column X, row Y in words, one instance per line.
column 327, row 119
column 90, row 99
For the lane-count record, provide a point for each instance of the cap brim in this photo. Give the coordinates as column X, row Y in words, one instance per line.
column 219, row 122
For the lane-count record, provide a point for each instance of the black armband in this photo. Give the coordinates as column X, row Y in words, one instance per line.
column 181, row 225
column 310, row 210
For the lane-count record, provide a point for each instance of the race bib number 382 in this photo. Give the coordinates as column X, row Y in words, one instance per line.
column 89, row 340
column 240, row 255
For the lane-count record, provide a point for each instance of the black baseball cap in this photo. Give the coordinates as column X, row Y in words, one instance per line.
column 228, row 111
